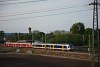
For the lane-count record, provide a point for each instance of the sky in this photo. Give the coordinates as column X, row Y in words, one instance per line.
column 44, row 15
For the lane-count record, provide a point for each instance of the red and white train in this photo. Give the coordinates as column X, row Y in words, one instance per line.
column 21, row 43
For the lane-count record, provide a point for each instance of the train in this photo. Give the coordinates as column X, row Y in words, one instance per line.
column 20, row 43
column 40, row 45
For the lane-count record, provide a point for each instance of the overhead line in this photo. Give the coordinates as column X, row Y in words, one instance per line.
column 39, row 11
column 20, row 2
column 47, row 15
column 7, row 0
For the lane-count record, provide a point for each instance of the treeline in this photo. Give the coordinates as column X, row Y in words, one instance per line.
column 1, row 37
column 78, row 36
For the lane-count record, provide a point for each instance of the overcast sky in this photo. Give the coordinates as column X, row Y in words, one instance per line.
column 47, row 15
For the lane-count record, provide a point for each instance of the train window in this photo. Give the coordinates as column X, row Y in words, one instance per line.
column 64, row 46
column 38, row 45
column 25, row 44
column 56, row 46
column 47, row 45
column 68, row 46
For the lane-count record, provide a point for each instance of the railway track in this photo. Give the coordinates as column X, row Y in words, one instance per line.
column 68, row 54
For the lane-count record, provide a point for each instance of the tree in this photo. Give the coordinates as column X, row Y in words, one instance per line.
column 1, row 37
column 75, row 39
column 50, row 37
column 99, row 35
column 88, row 31
column 38, row 36
column 77, row 28
column 59, row 38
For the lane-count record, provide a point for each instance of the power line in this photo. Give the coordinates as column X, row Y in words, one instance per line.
column 7, row 0
column 39, row 11
column 47, row 15
column 20, row 2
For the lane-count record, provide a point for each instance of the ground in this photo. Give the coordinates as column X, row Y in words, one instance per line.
column 22, row 60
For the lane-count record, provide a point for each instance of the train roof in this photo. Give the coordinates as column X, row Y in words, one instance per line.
column 51, row 44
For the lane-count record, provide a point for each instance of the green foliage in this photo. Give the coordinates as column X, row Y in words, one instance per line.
column 99, row 34
column 1, row 33
column 75, row 39
column 77, row 28
column 1, row 37
column 38, row 36
column 50, row 37
column 88, row 31
column 59, row 38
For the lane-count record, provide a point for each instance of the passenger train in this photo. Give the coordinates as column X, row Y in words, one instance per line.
column 39, row 45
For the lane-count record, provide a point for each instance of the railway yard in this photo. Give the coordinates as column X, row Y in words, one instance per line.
column 29, row 57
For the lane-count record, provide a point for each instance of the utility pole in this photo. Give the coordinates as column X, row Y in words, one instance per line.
column 95, row 33
column 83, row 40
column 45, row 38
column 18, row 36
column 32, row 36
column 89, row 45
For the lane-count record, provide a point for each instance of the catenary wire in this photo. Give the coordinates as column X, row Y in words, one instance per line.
column 47, row 15
column 20, row 2
column 7, row 0
column 38, row 11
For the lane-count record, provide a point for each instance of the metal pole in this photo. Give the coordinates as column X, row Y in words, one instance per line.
column 18, row 40
column 89, row 46
column 98, row 47
column 18, row 36
column 0, row 39
column 32, row 36
column 93, row 38
column 45, row 38
column 42, row 38
column 95, row 33
column 83, row 40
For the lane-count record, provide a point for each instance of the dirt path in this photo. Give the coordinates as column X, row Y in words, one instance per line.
column 21, row 60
